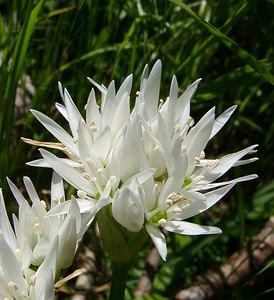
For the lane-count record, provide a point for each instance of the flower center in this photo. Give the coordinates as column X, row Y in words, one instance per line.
column 159, row 216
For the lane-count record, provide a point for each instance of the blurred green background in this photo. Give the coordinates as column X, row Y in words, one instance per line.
column 227, row 43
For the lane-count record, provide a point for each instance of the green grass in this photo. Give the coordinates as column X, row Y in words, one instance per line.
column 227, row 43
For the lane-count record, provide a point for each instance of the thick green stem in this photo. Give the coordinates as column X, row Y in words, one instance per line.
column 119, row 280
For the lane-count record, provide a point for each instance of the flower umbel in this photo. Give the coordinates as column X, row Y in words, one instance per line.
column 40, row 245
column 148, row 166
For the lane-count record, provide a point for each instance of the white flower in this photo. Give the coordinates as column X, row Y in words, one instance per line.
column 36, row 230
column 150, row 164
column 19, row 279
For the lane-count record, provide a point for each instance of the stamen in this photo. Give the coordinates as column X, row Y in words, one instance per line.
column 37, row 226
column 183, row 149
column 178, row 128
column 81, row 194
column 93, row 127
column 33, row 279
column 212, row 164
column 162, row 221
column 100, row 171
column 177, row 210
column 12, row 285
column 91, row 163
column 18, row 254
column 189, row 121
column 55, row 200
column 86, row 175
column 161, row 102
column 113, row 180
column 130, row 203
column 44, row 204
column 25, row 294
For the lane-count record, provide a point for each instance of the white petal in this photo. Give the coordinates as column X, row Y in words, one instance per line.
column 127, row 210
column 46, row 273
column 183, row 103
column 9, row 265
column 5, row 226
column 71, row 175
column 92, row 111
column 33, row 195
column 187, row 228
column 62, row 109
column 57, row 189
column 43, row 163
column 102, row 144
column 208, row 186
column 74, row 115
column 227, row 161
column 214, row 196
column 67, row 242
column 16, row 193
column 245, row 161
column 101, row 88
column 222, row 119
column 198, row 137
column 56, row 130
column 158, row 239
column 152, row 89
column 125, row 88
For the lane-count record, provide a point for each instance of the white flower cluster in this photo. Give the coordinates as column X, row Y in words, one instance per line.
column 148, row 164
column 37, row 249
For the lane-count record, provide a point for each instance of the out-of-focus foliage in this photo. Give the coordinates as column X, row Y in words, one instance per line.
column 42, row 42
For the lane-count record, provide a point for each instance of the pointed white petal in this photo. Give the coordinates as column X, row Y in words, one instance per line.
column 158, row 239
column 221, row 120
column 74, row 115
column 227, row 161
column 16, row 193
column 187, row 228
column 5, row 226
column 9, row 265
column 71, row 175
column 102, row 144
column 92, row 111
column 57, row 189
column 56, row 130
column 62, row 109
column 45, row 274
column 101, row 88
column 67, row 242
column 152, row 89
column 198, row 137
column 43, row 163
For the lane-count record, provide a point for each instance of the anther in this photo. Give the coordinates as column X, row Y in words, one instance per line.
column 177, row 128
column 190, row 121
column 81, row 194
column 177, row 210
column 44, row 204
column 100, row 171
column 93, row 127
column 162, row 221
column 86, row 175
column 91, row 163
column 12, row 285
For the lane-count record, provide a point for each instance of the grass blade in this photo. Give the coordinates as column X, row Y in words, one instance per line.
column 228, row 42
